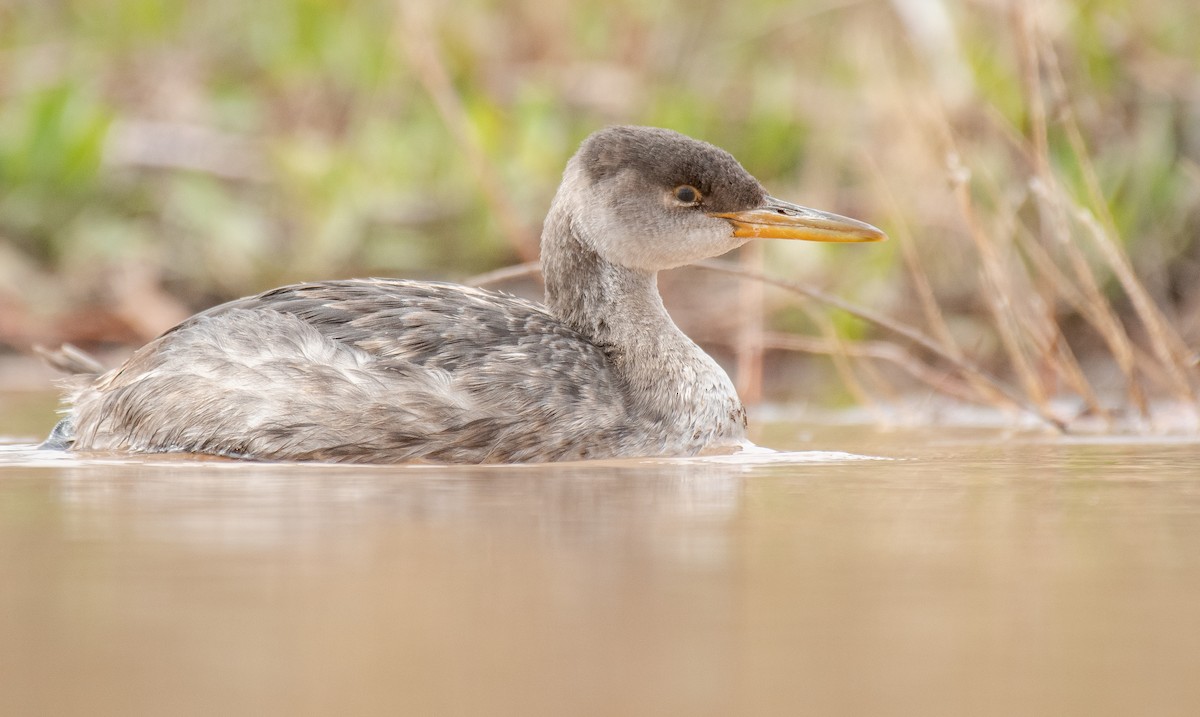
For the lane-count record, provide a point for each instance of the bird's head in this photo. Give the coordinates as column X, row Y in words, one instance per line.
column 652, row 199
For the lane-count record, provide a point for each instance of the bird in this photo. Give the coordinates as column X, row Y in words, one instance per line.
column 397, row 371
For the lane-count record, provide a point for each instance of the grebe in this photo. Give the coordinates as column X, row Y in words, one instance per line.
column 388, row 371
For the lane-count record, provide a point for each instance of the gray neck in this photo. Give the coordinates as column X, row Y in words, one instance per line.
column 615, row 307
column 671, row 380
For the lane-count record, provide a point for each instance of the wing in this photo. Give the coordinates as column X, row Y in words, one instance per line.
column 367, row 370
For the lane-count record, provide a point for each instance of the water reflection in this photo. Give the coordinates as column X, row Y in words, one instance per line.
column 263, row 506
column 966, row 574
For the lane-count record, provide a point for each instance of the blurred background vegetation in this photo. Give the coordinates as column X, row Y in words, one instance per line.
column 1036, row 163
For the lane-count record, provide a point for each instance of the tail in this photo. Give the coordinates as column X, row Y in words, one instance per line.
column 70, row 359
column 80, row 366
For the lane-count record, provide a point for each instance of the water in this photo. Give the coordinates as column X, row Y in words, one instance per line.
column 972, row 572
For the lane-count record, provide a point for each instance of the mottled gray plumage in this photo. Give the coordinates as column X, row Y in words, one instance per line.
column 387, row 370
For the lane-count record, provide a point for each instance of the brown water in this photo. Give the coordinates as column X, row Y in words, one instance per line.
column 974, row 573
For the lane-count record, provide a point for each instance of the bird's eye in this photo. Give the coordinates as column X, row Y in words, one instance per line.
column 687, row 194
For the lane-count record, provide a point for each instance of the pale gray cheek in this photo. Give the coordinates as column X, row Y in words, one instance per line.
column 712, row 242
column 618, row 244
column 646, row 247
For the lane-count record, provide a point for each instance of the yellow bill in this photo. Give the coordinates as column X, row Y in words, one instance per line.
column 777, row 219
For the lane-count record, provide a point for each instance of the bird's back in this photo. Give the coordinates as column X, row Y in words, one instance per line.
column 367, row 371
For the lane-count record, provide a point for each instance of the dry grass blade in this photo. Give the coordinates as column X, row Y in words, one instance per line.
column 1165, row 342
column 885, row 351
column 504, row 274
column 70, row 359
column 1166, row 345
column 1091, row 303
column 932, row 311
column 1052, row 203
column 1082, row 293
column 997, row 289
column 1038, row 53
column 842, row 365
column 964, row 365
column 912, row 262
column 1063, row 290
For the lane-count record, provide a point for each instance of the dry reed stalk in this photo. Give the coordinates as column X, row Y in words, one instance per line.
column 1072, row 373
column 883, row 351
column 841, row 364
column 1087, row 301
column 997, row 290
column 912, row 263
column 1151, row 367
column 1020, row 327
column 1031, row 311
column 749, row 346
column 879, row 383
column 964, row 365
column 417, row 38
column 1061, row 289
column 930, row 308
column 503, row 274
column 1094, row 306
column 1165, row 342
column 1054, row 356
column 1091, row 304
